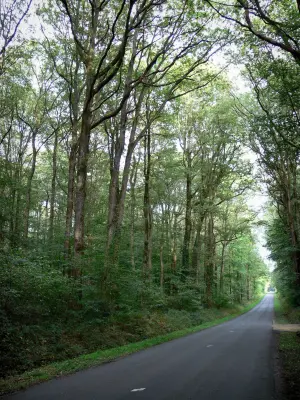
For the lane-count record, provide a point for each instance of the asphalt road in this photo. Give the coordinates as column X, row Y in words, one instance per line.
column 232, row 361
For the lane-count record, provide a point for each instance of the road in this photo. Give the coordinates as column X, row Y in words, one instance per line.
column 232, row 361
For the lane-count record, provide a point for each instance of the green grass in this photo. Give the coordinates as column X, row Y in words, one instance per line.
column 70, row 366
column 289, row 349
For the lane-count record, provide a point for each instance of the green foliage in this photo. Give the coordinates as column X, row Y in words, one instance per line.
column 284, row 275
column 31, row 314
column 153, row 181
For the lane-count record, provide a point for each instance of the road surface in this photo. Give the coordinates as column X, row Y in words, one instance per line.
column 232, row 361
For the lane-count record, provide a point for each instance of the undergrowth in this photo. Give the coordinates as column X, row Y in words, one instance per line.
column 160, row 326
column 289, row 347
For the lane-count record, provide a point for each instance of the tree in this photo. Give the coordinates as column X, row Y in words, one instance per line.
column 12, row 14
column 275, row 23
column 273, row 135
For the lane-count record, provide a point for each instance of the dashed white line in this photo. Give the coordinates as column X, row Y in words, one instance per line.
column 138, row 390
column 209, row 345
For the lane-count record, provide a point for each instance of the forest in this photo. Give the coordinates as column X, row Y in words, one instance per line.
column 135, row 137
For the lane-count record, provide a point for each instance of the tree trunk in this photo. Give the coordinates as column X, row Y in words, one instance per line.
column 222, row 268
column 72, row 164
column 39, row 222
column 162, row 267
column 147, row 263
column 174, row 245
column 197, row 249
column 116, row 200
column 209, row 262
column 17, row 213
column 29, row 186
column 188, row 224
column 161, row 248
column 14, row 226
column 70, row 199
column 114, row 191
column 82, row 165
column 46, row 219
column 53, row 187
column 117, row 192
column 84, row 142
column 133, row 178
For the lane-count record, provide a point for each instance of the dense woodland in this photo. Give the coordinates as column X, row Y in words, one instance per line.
column 127, row 160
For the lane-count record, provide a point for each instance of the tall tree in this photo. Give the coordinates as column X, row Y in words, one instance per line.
column 275, row 23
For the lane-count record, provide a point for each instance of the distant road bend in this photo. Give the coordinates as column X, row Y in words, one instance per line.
column 232, row 361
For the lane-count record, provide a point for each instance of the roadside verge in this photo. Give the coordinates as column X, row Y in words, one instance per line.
column 288, row 348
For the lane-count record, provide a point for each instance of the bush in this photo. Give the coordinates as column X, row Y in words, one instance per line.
column 34, row 302
column 178, row 319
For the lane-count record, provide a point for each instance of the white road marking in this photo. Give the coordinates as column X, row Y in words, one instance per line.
column 231, row 331
column 138, row 390
column 209, row 345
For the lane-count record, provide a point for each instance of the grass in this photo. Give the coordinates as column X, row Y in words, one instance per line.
column 289, row 349
column 70, row 366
